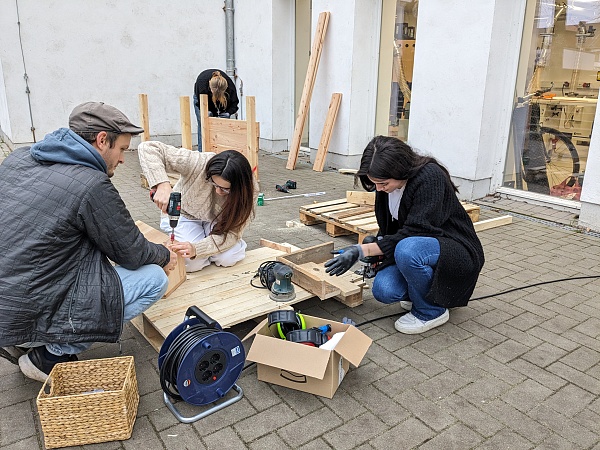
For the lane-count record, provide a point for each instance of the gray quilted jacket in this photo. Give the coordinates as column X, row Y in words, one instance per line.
column 61, row 220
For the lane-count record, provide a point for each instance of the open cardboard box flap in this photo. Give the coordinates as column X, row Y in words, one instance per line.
column 353, row 346
column 290, row 356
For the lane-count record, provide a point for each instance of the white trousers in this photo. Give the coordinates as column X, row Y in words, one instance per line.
column 194, row 231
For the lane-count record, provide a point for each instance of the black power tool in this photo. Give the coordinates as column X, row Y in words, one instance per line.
column 173, row 210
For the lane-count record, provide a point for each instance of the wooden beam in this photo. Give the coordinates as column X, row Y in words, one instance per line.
column 204, row 123
column 492, row 223
column 186, row 124
column 334, row 106
column 177, row 275
column 309, row 83
column 143, row 98
column 360, row 197
column 252, row 135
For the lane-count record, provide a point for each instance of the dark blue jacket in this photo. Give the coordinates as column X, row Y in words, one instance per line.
column 61, row 220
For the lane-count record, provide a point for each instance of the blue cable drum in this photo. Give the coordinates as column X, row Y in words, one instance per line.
column 198, row 361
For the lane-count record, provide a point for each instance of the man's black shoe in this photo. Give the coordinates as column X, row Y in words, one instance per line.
column 38, row 363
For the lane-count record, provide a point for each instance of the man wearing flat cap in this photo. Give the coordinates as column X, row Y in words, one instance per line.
column 62, row 222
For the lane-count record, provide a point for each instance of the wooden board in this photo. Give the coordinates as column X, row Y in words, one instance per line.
column 224, row 293
column 356, row 215
column 186, row 123
column 230, row 134
column 176, row 276
column 334, row 107
column 309, row 272
column 309, row 83
column 143, row 100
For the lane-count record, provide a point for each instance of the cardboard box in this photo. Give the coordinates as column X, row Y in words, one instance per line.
column 305, row 368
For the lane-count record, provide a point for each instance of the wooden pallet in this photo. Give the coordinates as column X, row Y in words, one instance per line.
column 353, row 215
column 224, row 293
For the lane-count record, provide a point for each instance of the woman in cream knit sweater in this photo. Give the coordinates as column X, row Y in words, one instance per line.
column 218, row 194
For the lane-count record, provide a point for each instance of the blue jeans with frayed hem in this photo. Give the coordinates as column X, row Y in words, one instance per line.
column 411, row 277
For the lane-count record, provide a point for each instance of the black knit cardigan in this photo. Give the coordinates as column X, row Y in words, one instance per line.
column 430, row 207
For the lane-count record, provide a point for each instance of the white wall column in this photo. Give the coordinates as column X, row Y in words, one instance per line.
column 464, row 76
column 589, row 215
column 264, row 49
column 348, row 65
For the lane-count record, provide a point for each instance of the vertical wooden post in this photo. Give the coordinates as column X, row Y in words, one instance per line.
column 204, row 125
column 334, row 107
column 186, row 125
column 252, row 134
column 143, row 99
column 309, row 83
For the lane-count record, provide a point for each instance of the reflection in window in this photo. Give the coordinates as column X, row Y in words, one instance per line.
column 404, row 53
column 557, row 94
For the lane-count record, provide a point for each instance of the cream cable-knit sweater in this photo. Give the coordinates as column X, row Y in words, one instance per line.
column 198, row 197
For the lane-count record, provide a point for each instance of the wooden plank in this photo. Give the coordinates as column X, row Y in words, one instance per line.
column 360, row 197
column 176, row 276
column 186, row 123
column 252, row 135
column 492, row 223
column 309, row 272
column 143, row 100
column 332, row 112
column 363, row 211
column 224, row 293
column 321, row 204
column 342, row 206
column 283, row 247
column 204, row 122
column 316, row 253
column 309, row 83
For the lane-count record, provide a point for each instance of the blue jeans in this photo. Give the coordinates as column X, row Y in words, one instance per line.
column 141, row 288
column 410, row 278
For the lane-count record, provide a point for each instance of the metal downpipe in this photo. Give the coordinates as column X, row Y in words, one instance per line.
column 229, row 38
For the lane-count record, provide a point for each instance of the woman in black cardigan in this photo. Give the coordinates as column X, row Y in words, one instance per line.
column 431, row 256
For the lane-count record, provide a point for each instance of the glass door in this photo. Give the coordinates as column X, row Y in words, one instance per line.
column 556, row 98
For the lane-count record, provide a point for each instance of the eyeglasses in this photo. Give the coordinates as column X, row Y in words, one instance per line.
column 224, row 190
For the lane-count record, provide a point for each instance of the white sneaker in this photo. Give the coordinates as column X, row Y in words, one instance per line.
column 405, row 304
column 409, row 324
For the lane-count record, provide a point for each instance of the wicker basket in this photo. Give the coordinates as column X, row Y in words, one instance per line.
column 89, row 402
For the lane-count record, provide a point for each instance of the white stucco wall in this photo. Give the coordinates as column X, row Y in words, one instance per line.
column 113, row 50
column 463, row 85
column 4, row 122
column 265, row 62
column 348, row 65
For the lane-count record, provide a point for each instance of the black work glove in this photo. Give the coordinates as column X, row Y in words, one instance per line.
column 225, row 115
column 346, row 258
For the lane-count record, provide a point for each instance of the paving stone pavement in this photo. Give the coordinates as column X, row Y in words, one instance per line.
column 518, row 371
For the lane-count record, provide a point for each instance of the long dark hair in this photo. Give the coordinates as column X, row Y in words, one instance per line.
column 233, row 166
column 388, row 157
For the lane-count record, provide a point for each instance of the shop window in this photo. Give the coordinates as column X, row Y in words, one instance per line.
column 556, row 98
column 405, row 32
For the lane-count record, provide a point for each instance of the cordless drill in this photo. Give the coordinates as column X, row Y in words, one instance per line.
column 173, row 210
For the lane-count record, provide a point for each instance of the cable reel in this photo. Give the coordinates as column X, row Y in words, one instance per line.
column 199, row 363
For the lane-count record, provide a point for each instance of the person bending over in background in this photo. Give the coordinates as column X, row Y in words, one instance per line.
column 218, row 194
column 222, row 96
column 431, row 256
column 62, row 222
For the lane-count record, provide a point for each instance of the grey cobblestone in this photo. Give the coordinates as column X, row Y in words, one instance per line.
column 519, row 371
